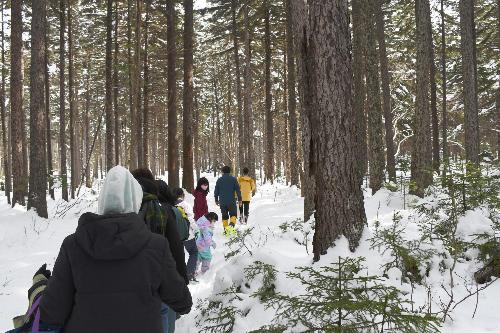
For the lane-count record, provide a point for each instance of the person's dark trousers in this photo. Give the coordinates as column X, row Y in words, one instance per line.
column 192, row 249
column 245, row 208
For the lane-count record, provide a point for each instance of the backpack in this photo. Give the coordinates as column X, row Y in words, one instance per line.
column 153, row 214
column 182, row 222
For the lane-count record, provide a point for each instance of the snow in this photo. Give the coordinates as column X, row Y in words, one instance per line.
column 27, row 241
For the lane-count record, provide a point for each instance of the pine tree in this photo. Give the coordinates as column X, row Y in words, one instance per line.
column 47, row 112
column 187, row 103
column 421, row 169
column 386, row 92
column 292, row 116
column 469, row 72
column 5, row 145
column 73, row 116
column 334, row 161
column 269, row 156
column 37, row 197
column 373, row 103
column 16, row 105
column 173, row 164
column 116, row 89
column 108, row 105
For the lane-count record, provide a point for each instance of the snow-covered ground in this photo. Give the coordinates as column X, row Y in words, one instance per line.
column 27, row 241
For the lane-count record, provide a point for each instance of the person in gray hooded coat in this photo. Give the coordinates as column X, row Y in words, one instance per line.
column 113, row 274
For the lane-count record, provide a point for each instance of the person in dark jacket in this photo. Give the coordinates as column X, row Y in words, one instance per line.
column 113, row 274
column 225, row 189
column 168, row 230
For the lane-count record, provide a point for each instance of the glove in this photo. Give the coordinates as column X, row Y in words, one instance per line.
column 253, row 194
column 217, row 203
column 214, row 245
column 40, row 280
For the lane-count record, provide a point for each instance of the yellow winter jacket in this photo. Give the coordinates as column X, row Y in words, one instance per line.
column 247, row 187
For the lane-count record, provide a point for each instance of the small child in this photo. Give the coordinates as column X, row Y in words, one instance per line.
column 247, row 187
column 190, row 242
column 200, row 198
column 204, row 240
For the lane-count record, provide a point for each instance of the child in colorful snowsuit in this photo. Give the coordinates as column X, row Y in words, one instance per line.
column 190, row 243
column 200, row 198
column 204, row 240
column 247, row 187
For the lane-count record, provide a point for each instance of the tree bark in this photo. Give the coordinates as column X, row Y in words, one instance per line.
column 248, row 107
column 108, row 106
column 292, row 98
column 137, row 84
column 434, row 113
column 62, row 100
column 498, row 87
column 373, row 103
column 131, row 80
column 5, row 145
column 339, row 205
column 47, row 111
column 359, row 50
column 72, row 105
column 444, row 122
column 88, row 179
column 187, row 103
column 16, row 104
column 421, row 159
column 386, row 92
column 304, row 62
column 469, row 72
column 241, row 133
column 146, row 122
column 173, row 164
column 115, row 91
column 269, row 157
column 37, row 197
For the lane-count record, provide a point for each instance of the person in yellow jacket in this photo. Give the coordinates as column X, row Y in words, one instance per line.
column 247, row 187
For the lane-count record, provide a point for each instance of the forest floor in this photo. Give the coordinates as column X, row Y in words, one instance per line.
column 27, row 241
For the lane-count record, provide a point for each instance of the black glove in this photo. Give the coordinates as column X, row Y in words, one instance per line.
column 44, row 271
column 40, row 280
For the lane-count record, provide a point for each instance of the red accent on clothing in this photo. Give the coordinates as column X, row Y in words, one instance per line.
column 200, row 204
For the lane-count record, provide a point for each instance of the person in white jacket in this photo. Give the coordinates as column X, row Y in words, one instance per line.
column 190, row 243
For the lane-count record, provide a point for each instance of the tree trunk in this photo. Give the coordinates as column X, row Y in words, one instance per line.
column 146, row 124
column 269, row 157
column 373, row 103
column 88, row 179
column 421, row 159
column 469, row 72
column 292, row 116
column 108, row 106
column 386, row 92
column 62, row 100
column 5, row 145
column 359, row 50
column 434, row 112
column 339, row 205
column 301, row 31
column 37, row 197
column 137, row 84
column 173, row 164
column 241, row 130
column 196, row 129
column 248, row 102
column 498, row 87
column 115, row 91
column 47, row 111
column 444, row 122
column 187, row 102
column 16, row 104
column 72, row 105
column 131, row 81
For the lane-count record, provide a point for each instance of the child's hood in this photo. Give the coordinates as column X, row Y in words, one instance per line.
column 203, row 222
column 246, row 178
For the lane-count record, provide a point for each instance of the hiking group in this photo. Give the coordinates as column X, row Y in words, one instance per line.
column 124, row 269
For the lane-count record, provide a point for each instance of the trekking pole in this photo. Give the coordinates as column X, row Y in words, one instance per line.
column 90, row 153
